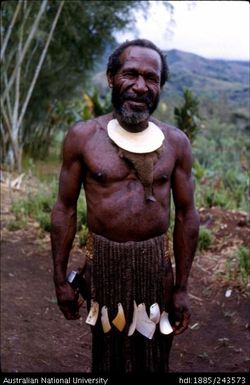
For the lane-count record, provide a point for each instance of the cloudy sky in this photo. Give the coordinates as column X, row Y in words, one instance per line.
column 213, row 29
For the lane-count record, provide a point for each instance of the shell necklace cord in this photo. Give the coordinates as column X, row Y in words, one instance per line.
column 141, row 149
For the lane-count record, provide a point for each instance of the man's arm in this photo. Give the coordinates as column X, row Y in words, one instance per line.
column 186, row 231
column 64, row 224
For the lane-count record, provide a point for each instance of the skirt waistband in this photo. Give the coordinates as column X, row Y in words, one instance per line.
column 161, row 241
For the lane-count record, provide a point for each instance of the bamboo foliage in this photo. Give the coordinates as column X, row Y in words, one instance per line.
column 7, row 36
column 48, row 52
column 15, row 56
column 26, row 45
column 40, row 63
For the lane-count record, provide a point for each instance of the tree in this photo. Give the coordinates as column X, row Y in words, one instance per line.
column 187, row 116
column 12, row 107
column 48, row 49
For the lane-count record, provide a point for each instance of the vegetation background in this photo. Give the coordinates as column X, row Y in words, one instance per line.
column 53, row 62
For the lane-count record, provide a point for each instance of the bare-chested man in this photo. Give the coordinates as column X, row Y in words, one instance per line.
column 128, row 163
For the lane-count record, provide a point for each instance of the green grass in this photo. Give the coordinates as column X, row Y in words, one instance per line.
column 238, row 268
column 83, row 233
column 220, row 168
column 38, row 206
column 45, row 171
column 243, row 255
column 205, row 239
column 16, row 224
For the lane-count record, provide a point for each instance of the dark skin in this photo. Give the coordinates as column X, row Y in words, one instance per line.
column 116, row 205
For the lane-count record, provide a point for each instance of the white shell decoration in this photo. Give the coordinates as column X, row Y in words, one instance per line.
column 141, row 142
column 105, row 319
column 119, row 321
column 93, row 314
column 154, row 313
column 144, row 325
column 133, row 323
column 165, row 326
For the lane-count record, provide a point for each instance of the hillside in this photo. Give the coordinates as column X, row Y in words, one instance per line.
column 209, row 77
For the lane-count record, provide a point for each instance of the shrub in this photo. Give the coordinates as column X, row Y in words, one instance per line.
column 238, row 268
column 187, row 115
column 243, row 255
column 44, row 221
column 39, row 207
column 205, row 238
column 19, row 209
column 83, row 233
column 81, row 212
column 15, row 224
column 198, row 170
column 220, row 168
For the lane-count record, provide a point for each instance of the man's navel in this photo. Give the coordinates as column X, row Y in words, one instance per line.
column 100, row 176
column 164, row 178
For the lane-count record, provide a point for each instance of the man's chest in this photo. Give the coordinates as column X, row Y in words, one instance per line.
column 106, row 161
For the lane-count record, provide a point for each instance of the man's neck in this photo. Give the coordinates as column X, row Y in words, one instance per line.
column 131, row 127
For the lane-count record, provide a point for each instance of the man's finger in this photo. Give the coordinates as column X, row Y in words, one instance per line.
column 180, row 327
column 80, row 303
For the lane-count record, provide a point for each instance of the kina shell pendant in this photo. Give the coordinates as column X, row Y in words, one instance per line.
column 119, row 321
column 105, row 320
column 154, row 313
column 144, row 325
column 93, row 314
column 132, row 326
column 165, row 326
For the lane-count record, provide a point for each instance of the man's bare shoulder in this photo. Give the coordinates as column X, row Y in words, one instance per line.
column 82, row 129
column 80, row 135
column 173, row 134
column 81, row 132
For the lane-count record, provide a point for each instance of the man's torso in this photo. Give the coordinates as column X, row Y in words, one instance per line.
column 116, row 204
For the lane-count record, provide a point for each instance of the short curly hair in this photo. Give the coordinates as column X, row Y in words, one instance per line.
column 114, row 63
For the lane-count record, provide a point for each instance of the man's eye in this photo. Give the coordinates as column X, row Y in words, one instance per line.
column 153, row 79
column 129, row 74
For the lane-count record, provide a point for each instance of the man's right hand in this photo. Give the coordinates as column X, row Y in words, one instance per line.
column 68, row 301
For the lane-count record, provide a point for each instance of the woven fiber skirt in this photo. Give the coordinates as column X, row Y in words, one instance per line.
column 127, row 272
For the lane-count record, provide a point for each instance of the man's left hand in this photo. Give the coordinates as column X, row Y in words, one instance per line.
column 180, row 316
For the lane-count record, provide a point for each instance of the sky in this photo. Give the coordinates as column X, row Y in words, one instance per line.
column 212, row 29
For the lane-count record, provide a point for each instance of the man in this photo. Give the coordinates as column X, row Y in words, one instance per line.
column 128, row 162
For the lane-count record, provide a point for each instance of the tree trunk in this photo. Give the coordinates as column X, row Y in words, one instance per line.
column 15, row 100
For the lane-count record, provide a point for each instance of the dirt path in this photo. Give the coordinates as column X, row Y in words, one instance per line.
column 36, row 338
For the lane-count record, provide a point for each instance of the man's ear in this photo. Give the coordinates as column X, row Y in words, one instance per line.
column 110, row 79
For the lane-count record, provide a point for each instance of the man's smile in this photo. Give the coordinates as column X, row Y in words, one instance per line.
column 136, row 103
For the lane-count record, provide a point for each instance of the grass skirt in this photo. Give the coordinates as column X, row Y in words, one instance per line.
column 123, row 272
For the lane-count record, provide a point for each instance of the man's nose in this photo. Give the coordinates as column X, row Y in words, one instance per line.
column 140, row 85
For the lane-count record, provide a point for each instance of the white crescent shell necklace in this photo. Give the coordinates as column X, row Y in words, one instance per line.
column 142, row 142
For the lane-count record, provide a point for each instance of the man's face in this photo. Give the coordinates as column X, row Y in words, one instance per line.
column 136, row 86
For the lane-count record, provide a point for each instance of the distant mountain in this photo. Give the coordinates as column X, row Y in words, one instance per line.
column 209, row 77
